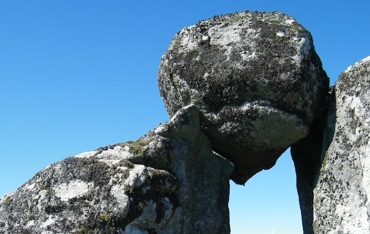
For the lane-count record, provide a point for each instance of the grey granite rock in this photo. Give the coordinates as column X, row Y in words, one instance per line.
column 342, row 192
column 242, row 86
column 168, row 181
column 255, row 77
column 307, row 158
column 333, row 161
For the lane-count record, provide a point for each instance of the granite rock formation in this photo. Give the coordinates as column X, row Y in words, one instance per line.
column 342, row 193
column 168, row 181
column 333, row 162
column 255, row 77
column 240, row 89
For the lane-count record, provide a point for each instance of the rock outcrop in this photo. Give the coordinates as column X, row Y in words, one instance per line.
column 169, row 181
column 255, row 77
column 342, row 193
column 240, row 89
column 333, row 162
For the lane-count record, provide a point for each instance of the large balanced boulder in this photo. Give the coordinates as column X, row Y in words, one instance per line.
column 342, row 193
column 169, row 181
column 256, row 79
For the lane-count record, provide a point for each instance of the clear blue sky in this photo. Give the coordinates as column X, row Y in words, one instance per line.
column 77, row 75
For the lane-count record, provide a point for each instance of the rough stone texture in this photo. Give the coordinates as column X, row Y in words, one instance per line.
column 307, row 158
column 255, row 77
column 169, row 181
column 342, row 193
column 333, row 162
column 246, row 86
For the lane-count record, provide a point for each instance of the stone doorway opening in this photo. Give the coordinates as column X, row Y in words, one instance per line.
column 268, row 203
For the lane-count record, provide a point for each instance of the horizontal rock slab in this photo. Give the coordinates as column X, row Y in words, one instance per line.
column 255, row 77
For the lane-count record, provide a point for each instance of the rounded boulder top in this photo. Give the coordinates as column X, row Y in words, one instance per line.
column 256, row 78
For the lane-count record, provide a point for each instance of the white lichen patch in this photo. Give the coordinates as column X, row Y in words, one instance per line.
column 248, row 105
column 187, row 40
column 39, row 196
column 365, row 60
column 347, row 225
column 162, row 128
column 176, row 116
column 289, row 21
column 247, row 56
column 280, row 34
column 109, row 156
column 86, row 154
column 118, row 192
column 365, row 161
column 137, row 176
column 303, row 48
column 30, row 224
column 285, row 75
column 30, row 186
column 228, row 35
column 117, row 153
column 72, row 189
column 48, row 222
column 45, row 168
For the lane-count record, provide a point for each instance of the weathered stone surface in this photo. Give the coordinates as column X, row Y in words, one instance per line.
column 169, row 181
column 332, row 162
column 245, row 86
column 341, row 196
column 307, row 158
column 256, row 79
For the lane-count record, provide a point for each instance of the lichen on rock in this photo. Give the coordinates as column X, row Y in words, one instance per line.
column 240, row 89
column 341, row 196
column 166, row 184
column 255, row 77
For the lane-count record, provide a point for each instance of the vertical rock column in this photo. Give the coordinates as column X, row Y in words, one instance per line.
column 333, row 161
column 341, row 196
column 307, row 156
column 203, row 178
